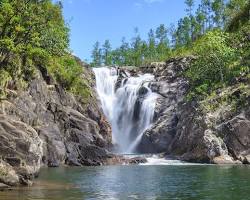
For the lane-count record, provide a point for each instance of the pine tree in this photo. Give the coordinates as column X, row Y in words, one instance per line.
column 106, row 51
column 125, row 52
column 136, row 48
column 201, row 21
column 96, row 55
column 218, row 8
column 190, row 5
column 172, row 33
column 163, row 43
column 207, row 10
column 183, row 36
column 151, row 45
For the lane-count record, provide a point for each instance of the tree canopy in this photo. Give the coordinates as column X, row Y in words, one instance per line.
column 34, row 35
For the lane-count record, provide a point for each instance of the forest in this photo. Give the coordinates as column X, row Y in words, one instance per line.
column 217, row 34
column 35, row 37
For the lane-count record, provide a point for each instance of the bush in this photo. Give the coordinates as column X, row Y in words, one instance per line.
column 4, row 79
column 214, row 65
column 68, row 72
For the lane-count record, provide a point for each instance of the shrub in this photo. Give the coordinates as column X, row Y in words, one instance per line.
column 68, row 72
column 213, row 68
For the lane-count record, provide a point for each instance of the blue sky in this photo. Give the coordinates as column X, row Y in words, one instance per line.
column 97, row 20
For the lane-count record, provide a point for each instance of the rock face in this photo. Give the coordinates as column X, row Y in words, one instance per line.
column 171, row 87
column 45, row 125
column 187, row 130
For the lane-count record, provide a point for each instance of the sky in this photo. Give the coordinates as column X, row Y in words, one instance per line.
column 98, row 20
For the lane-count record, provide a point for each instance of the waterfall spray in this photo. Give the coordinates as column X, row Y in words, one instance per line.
column 129, row 108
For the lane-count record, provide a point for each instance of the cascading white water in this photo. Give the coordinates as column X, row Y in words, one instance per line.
column 129, row 109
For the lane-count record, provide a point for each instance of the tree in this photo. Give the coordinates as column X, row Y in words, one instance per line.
column 190, row 5
column 218, row 8
column 161, row 34
column 125, row 52
column 212, row 66
column 207, row 10
column 183, row 32
column 236, row 20
column 30, row 32
column 233, row 7
column 107, row 55
column 96, row 55
column 151, row 52
column 136, row 54
column 201, row 21
column 163, row 43
column 172, row 33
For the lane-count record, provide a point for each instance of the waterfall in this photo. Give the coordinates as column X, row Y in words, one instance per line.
column 129, row 108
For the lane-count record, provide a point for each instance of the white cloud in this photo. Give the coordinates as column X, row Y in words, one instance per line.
column 138, row 5
column 152, row 1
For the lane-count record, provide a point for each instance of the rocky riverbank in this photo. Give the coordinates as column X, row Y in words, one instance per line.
column 209, row 131
column 44, row 125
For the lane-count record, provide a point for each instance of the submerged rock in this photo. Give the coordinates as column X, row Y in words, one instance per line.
column 123, row 160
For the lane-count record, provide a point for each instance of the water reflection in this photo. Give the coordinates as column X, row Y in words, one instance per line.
column 138, row 182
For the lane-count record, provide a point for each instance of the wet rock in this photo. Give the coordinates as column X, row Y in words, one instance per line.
column 188, row 131
column 246, row 159
column 171, row 87
column 225, row 159
column 137, row 160
column 122, row 78
column 123, row 160
column 8, row 175
column 3, row 186
column 142, row 91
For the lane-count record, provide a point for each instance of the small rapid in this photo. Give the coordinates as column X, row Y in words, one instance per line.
column 129, row 107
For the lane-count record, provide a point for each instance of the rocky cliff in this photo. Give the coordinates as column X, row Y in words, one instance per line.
column 197, row 131
column 44, row 125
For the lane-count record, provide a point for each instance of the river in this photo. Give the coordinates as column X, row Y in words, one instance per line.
column 173, row 180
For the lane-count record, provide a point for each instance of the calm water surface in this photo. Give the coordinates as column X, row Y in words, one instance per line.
column 138, row 182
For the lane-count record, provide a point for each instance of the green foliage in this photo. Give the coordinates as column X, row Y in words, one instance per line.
column 213, row 66
column 107, row 54
column 237, row 18
column 96, row 55
column 3, row 172
column 135, row 53
column 34, row 35
column 233, row 97
column 4, row 79
column 28, row 28
column 190, row 5
column 68, row 72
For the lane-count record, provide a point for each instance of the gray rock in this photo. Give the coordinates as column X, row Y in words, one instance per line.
column 4, row 186
column 187, row 131
column 46, row 125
